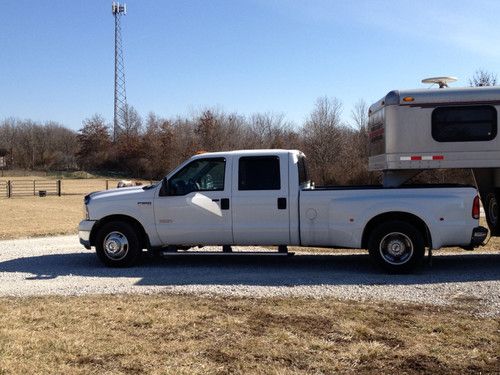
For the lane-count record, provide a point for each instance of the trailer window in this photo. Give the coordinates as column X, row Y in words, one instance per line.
column 464, row 124
column 259, row 173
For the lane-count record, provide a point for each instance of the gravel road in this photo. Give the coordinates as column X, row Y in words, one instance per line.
column 59, row 265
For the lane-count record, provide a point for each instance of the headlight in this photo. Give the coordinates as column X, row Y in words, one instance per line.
column 86, row 201
column 86, row 212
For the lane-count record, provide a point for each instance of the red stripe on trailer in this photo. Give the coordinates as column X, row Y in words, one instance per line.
column 416, row 158
column 438, row 157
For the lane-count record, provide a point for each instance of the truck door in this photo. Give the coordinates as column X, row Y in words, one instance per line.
column 260, row 200
column 193, row 208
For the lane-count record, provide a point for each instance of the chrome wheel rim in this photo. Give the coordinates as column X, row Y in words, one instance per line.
column 115, row 245
column 396, row 248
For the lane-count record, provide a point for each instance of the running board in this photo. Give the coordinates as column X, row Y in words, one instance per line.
column 220, row 253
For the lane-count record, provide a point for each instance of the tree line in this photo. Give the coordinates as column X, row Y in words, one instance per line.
column 149, row 147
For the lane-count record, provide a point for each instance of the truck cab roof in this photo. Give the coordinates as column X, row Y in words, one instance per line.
column 259, row 152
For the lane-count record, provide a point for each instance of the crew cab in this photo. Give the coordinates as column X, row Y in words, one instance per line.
column 264, row 197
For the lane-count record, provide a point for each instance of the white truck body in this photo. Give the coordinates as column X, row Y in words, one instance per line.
column 227, row 206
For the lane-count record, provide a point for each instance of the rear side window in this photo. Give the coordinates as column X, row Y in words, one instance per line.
column 301, row 165
column 464, row 124
column 259, row 173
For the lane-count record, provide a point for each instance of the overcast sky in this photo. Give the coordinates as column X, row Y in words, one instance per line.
column 56, row 57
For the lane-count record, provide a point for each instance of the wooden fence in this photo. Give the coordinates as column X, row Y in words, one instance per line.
column 12, row 188
column 4, row 189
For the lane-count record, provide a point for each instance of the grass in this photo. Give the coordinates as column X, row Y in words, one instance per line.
column 34, row 216
column 201, row 335
column 31, row 216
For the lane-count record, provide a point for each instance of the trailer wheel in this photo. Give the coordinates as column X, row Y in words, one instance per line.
column 117, row 244
column 397, row 246
column 491, row 210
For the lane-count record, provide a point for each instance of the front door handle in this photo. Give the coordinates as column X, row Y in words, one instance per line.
column 224, row 204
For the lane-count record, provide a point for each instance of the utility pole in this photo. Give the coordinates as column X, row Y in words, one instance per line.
column 120, row 118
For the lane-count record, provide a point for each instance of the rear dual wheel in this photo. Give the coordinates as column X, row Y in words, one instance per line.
column 491, row 208
column 397, row 246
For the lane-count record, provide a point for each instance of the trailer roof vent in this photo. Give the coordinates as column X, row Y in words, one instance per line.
column 441, row 81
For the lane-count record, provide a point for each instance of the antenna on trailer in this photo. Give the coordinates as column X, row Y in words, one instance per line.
column 120, row 118
column 441, row 81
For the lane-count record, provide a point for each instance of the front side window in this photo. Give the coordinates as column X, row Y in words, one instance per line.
column 199, row 175
column 464, row 124
column 259, row 173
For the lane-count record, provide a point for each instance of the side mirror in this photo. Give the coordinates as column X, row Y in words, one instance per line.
column 164, row 190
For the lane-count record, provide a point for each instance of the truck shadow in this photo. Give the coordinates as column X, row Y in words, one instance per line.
column 260, row 271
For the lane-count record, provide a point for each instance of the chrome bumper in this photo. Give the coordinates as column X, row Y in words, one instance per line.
column 84, row 229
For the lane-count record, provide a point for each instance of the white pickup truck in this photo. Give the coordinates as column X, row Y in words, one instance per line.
column 264, row 197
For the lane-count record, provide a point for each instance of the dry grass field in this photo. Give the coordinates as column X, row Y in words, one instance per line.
column 196, row 335
column 29, row 216
column 176, row 334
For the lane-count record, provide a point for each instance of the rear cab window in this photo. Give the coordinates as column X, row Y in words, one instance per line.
column 259, row 173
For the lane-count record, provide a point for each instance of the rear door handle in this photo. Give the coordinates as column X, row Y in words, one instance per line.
column 281, row 203
column 215, row 200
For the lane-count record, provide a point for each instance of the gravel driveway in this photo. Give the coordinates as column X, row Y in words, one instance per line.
column 59, row 265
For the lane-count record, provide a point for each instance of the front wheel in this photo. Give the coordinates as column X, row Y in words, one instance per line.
column 397, row 246
column 117, row 244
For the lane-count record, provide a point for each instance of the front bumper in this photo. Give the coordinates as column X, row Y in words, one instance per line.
column 84, row 230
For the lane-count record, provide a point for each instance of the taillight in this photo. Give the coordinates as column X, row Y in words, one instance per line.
column 475, row 208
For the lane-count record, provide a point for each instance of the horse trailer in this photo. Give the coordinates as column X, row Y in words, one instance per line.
column 415, row 130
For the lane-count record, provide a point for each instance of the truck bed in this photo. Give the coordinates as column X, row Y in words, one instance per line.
column 337, row 216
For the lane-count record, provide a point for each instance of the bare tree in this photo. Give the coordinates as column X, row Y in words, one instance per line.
column 324, row 141
column 359, row 115
column 482, row 77
column 270, row 130
column 358, row 172
column 95, row 143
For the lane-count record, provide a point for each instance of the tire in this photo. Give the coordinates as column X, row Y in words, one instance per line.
column 491, row 211
column 118, row 245
column 397, row 246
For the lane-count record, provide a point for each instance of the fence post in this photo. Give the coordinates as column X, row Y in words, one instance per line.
column 107, row 185
column 59, row 187
column 34, row 187
column 9, row 193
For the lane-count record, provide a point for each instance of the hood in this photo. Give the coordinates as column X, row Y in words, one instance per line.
column 119, row 193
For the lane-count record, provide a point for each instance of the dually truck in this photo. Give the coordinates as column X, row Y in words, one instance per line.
column 264, row 197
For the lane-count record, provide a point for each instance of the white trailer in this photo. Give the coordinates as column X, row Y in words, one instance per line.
column 414, row 130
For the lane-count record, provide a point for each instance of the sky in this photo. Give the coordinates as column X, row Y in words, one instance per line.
column 276, row 56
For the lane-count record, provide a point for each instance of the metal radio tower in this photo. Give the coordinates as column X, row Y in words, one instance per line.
column 120, row 110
